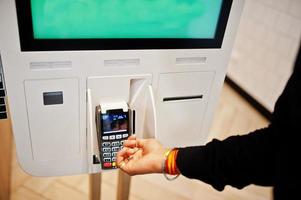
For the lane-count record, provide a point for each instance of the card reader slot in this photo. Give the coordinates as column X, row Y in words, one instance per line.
column 2, row 101
column 96, row 159
column 134, row 125
column 2, row 108
column 181, row 98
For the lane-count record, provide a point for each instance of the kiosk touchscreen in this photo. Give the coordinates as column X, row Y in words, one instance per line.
column 76, row 72
column 119, row 24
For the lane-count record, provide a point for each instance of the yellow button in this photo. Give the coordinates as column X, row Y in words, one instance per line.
column 114, row 164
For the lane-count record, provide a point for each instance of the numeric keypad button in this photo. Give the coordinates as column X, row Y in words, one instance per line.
column 106, row 150
column 115, row 149
column 107, row 159
column 107, row 155
column 106, row 144
column 115, row 144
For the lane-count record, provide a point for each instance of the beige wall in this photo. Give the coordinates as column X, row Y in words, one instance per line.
column 265, row 49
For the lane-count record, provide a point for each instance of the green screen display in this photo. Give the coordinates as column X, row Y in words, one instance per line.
column 103, row 19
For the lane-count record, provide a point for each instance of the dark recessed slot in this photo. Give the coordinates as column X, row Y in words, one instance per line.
column 182, row 98
column 2, row 108
column 96, row 160
column 134, row 125
column 53, row 98
column 2, row 101
column 3, row 115
column 2, row 93
column 1, row 85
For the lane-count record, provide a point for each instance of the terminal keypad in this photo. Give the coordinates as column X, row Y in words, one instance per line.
column 110, row 146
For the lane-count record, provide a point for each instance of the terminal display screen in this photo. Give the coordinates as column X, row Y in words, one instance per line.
column 114, row 123
column 46, row 25
column 66, row 19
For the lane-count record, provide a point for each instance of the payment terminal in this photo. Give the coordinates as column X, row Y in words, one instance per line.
column 113, row 127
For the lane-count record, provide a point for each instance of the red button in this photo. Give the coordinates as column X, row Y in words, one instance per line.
column 107, row 164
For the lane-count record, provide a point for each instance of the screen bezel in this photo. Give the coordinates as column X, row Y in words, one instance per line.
column 29, row 43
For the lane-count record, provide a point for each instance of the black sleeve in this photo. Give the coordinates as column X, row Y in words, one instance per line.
column 263, row 157
column 236, row 161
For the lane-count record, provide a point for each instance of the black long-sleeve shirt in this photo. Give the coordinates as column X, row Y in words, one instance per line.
column 267, row 157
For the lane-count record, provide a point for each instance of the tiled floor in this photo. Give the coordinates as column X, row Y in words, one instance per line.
column 233, row 116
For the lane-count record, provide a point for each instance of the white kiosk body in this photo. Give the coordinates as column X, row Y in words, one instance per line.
column 53, row 84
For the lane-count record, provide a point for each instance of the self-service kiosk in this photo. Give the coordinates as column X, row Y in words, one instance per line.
column 81, row 76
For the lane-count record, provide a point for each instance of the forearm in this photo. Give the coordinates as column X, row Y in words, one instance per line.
column 236, row 161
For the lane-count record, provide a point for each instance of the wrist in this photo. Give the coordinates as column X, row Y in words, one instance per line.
column 169, row 165
column 160, row 159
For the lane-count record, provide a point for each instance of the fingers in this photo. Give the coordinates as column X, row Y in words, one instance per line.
column 130, row 143
column 129, row 165
column 141, row 143
column 132, row 137
column 121, row 155
column 121, row 165
column 125, row 153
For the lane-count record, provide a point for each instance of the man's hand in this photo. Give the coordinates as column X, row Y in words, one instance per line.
column 141, row 156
